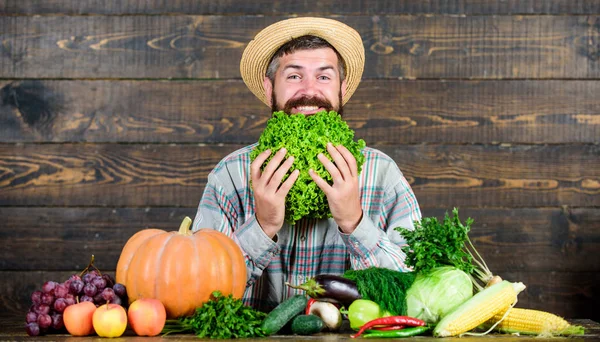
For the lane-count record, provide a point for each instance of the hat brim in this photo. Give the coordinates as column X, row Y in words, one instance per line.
column 260, row 50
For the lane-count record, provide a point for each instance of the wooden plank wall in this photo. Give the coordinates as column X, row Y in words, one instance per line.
column 113, row 113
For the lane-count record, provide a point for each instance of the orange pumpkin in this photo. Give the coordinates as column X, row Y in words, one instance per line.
column 181, row 268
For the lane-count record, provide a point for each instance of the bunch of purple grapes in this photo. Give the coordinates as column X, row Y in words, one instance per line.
column 46, row 312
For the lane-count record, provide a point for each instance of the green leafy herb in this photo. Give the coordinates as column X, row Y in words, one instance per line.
column 305, row 137
column 222, row 317
column 383, row 286
column 434, row 244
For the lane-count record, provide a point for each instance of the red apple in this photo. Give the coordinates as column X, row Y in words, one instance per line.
column 78, row 318
column 147, row 316
column 110, row 320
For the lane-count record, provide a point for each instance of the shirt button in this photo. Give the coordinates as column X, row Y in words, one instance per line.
column 302, row 238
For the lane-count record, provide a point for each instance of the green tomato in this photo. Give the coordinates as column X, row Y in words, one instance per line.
column 361, row 311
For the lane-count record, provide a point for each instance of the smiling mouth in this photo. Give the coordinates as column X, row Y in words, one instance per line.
column 307, row 110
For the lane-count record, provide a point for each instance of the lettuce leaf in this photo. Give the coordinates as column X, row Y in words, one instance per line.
column 305, row 137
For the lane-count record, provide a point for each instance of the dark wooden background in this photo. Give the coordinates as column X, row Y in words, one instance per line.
column 112, row 113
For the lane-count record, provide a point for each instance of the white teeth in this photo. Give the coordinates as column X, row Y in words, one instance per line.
column 307, row 108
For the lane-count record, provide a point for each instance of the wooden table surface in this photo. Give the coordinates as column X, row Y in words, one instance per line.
column 12, row 329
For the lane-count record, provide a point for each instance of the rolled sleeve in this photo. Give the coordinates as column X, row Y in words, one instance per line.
column 259, row 249
column 363, row 240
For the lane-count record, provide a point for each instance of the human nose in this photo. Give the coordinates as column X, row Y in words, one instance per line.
column 309, row 87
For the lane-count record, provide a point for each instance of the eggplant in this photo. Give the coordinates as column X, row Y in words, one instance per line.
column 330, row 288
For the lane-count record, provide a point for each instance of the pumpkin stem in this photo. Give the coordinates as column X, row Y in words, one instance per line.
column 184, row 228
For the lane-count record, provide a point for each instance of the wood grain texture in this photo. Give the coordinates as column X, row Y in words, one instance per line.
column 571, row 295
column 308, row 7
column 381, row 112
column 483, row 47
column 566, row 294
column 111, row 174
column 175, row 175
column 71, row 235
column 537, row 239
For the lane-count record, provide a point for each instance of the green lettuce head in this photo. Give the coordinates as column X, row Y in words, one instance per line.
column 437, row 292
column 305, row 137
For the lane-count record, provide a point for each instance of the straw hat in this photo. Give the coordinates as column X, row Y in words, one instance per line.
column 260, row 50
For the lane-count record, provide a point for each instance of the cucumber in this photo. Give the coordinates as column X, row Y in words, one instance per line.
column 307, row 325
column 283, row 313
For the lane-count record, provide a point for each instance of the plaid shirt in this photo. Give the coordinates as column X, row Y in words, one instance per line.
column 311, row 246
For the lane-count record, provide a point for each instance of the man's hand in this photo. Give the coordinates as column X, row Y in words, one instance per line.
column 269, row 192
column 343, row 195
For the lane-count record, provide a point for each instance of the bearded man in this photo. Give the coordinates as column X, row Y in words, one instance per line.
column 306, row 65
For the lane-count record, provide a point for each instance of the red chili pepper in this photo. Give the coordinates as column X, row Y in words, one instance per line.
column 390, row 320
column 311, row 301
column 389, row 327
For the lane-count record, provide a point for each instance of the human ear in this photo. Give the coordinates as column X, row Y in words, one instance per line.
column 343, row 87
column 268, row 90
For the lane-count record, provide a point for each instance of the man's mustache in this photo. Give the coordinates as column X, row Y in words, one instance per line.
column 307, row 101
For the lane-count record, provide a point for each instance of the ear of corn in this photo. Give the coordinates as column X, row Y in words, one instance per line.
column 479, row 309
column 533, row 322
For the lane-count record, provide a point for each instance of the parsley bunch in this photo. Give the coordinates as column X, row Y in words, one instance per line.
column 305, row 137
column 222, row 317
column 433, row 244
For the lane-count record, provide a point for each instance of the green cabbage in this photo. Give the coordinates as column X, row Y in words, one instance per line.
column 305, row 137
column 437, row 292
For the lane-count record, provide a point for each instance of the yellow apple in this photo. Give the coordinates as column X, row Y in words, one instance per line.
column 147, row 316
column 110, row 320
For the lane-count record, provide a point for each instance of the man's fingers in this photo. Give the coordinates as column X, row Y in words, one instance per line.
column 331, row 168
column 321, row 183
column 275, row 181
column 289, row 182
column 339, row 160
column 257, row 164
column 273, row 165
column 349, row 158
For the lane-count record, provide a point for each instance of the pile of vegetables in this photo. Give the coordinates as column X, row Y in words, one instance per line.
column 305, row 137
column 450, row 292
column 447, row 265
column 384, row 286
column 442, row 276
column 443, row 256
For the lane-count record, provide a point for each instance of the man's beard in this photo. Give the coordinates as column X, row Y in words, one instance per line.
column 306, row 101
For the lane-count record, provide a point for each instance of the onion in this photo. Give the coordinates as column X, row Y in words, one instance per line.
column 328, row 312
